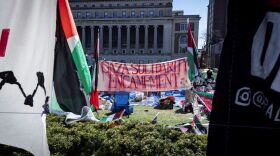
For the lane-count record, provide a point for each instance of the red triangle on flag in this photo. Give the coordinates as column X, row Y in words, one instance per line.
column 191, row 42
column 119, row 114
column 94, row 99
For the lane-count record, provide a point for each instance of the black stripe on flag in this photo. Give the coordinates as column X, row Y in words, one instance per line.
column 66, row 83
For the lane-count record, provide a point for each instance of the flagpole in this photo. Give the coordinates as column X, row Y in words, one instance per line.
column 157, row 114
column 96, row 61
column 94, row 99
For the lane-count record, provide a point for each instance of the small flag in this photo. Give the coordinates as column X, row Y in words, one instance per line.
column 119, row 114
column 197, row 126
column 115, row 116
column 154, row 121
column 192, row 54
column 206, row 101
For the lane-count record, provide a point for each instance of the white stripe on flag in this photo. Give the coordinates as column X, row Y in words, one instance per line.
column 110, row 118
column 190, row 49
column 72, row 42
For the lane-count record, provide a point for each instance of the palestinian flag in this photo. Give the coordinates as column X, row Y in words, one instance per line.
column 69, row 56
column 74, row 43
column 192, row 54
column 206, row 99
column 197, row 126
column 94, row 97
column 207, row 104
column 206, row 94
column 114, row 116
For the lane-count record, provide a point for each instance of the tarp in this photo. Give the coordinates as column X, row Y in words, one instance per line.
column 170, row 75
column 26, row 72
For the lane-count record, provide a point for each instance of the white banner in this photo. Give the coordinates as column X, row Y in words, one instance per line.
column 170, row 75
column 26, row 71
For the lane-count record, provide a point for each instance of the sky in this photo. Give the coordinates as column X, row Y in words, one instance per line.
column 194, row 7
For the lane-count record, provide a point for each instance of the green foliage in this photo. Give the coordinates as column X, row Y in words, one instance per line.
column 168, row 117
column 119, row 139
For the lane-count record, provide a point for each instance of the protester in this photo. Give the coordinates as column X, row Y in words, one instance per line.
column 166, row 103
column 209, row 78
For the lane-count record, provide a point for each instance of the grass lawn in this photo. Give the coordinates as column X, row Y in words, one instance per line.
column 146, row 114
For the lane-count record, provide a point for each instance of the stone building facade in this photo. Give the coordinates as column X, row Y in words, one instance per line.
column 133, row 31
column 216, row 30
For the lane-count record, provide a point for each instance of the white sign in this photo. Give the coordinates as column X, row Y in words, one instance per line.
column 26, row 71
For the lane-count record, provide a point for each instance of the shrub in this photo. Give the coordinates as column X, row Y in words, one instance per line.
column 118, row 139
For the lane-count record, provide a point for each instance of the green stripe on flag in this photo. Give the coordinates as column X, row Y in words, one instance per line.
column 82, row 67
column 209, row 95
column 54, row 105
column 191, row 65
column 108, row 118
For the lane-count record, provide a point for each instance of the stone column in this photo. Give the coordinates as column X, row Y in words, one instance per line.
column 137, row 38
column 101, row 39
column 128, row 38
column 119, row 38
column 84, row 37
column 155, row 38
column 110, row 38
column 146, row 37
